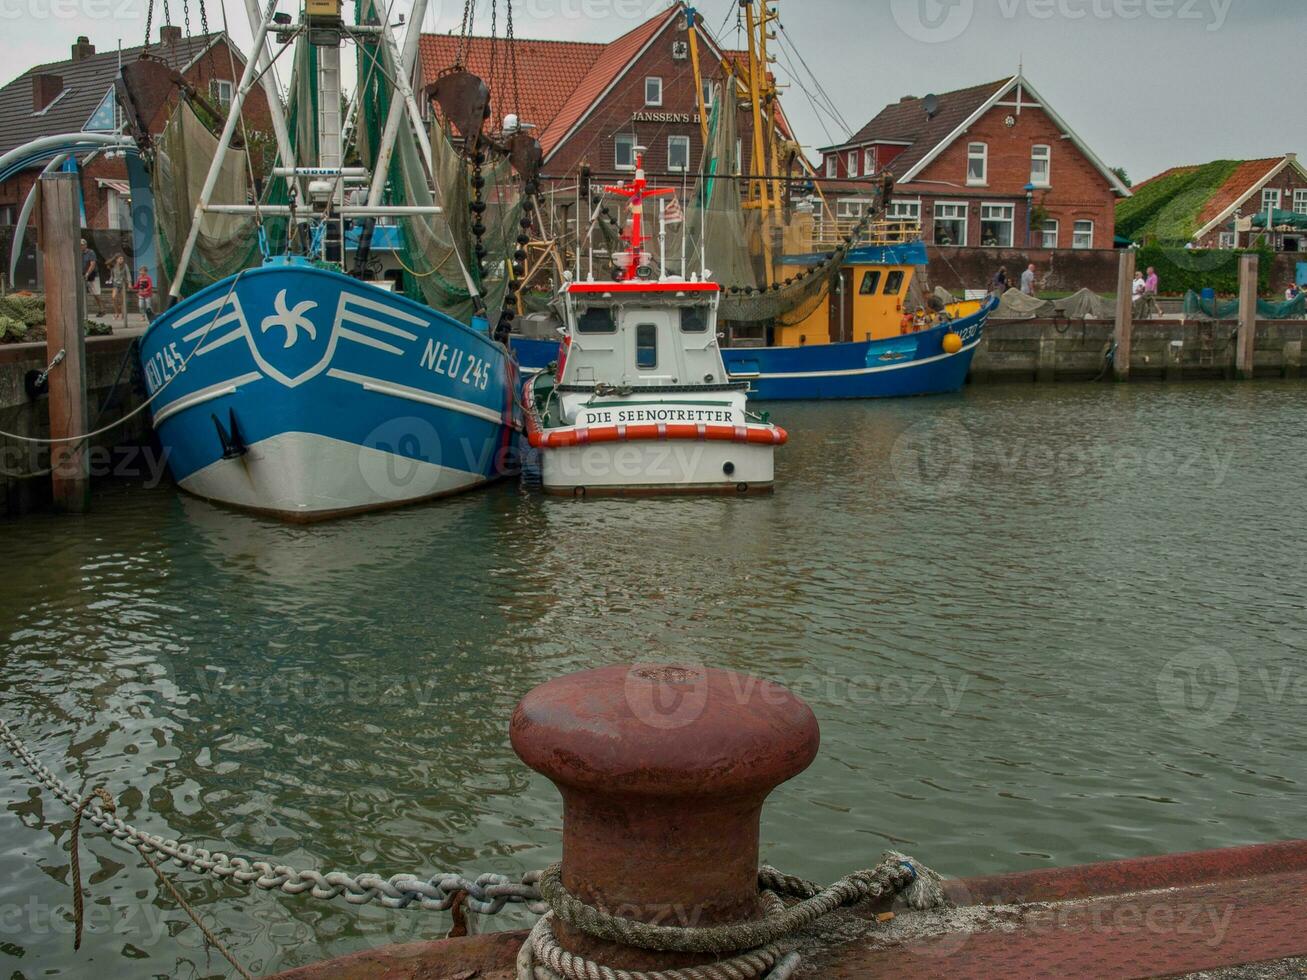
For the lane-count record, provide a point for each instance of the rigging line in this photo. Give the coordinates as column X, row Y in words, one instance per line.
column 788, row 41
column 817, row 107
column 245, row 135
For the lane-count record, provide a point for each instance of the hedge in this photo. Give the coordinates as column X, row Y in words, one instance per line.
column 1180, row 269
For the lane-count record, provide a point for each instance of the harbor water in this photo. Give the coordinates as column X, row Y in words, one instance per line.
column 1038, row 625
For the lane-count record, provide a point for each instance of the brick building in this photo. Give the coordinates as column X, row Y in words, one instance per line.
column 77, row 95
column 992, row 165
column 1213, row 204
column 594, row 103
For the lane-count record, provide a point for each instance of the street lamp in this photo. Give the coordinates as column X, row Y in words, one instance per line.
column 1030, row 206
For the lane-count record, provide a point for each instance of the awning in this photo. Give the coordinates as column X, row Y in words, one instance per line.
column 121, row 186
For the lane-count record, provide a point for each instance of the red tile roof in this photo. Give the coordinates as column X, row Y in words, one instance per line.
column 548, row 72
column 1246, row 176
column 610, row 64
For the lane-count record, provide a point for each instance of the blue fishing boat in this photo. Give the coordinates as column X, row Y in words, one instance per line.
column 300, row 392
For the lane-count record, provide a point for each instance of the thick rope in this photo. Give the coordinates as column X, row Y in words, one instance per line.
column 894, row 875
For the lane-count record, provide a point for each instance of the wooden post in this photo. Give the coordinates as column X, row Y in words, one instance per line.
column 1125, row 315
column 1243, row 367
column 65, row 317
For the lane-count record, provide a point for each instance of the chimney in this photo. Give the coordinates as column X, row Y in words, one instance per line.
column 83, row 48
column 169, row 34
column 45, row 89
column 908, row 98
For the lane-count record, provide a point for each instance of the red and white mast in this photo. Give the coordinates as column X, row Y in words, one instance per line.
column 635, row 193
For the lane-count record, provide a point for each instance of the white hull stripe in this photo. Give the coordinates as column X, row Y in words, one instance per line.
column 205, row 395
column 851, row 371
column 417, row 395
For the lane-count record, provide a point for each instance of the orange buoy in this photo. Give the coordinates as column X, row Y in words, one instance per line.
column 952, row 343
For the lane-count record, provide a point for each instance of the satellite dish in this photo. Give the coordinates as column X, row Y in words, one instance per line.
column 931, row 104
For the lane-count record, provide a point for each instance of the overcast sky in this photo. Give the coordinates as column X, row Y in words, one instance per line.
column 1147, row 83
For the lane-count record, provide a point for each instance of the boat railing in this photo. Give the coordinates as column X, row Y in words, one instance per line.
column 831, row 234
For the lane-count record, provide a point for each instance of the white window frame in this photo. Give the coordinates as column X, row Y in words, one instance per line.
column 620, row 140
column 709, row 93
column 832, row 166
column 869, row 162
column 964, row 217
column 117, row 210
column 904, row 211
column 1051, row 225
column 1271, row 197
column 847, row 208
column 216, row 85
column 1009, row 218
column 656, row 80
column 1046, row 157
column 1227, row 239
column 852, row 162
column 1078, row 233
column 978, row 151
column 679, row 141
column 1300, row 200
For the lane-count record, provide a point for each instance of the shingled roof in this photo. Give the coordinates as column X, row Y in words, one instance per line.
column 86, row 81
column 906, row 121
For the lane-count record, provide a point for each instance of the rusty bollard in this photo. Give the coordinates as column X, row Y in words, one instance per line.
column 663, row 772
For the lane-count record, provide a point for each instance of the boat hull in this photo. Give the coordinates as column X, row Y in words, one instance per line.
column 298, row 392
column 658, row 467
column 897, row 367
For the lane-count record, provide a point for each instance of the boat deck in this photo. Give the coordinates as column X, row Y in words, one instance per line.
column 1232, row 913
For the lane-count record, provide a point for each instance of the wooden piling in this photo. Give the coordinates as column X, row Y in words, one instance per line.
column 1292, row 359
column 1243, row 367
column 65, row 316
column 1125, row 315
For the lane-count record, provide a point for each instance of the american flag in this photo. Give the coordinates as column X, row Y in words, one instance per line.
column 673, row 215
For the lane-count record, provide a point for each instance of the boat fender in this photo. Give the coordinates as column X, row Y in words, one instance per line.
column 952, row 343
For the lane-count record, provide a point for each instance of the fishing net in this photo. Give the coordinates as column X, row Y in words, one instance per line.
column 1198, row 308
column 226, row 243
column 1084, row 304
column 1016, row 305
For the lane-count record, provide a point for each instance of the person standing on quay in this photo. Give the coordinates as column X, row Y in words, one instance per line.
column 91, row 274
column 1028, row 280
column 118, row 276
column 1152, row 282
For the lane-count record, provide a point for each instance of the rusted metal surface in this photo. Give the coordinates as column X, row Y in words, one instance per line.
column 663, row 771
column 464, row 100
column 1146, row 917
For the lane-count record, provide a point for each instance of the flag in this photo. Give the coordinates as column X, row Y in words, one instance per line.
column 673, row 215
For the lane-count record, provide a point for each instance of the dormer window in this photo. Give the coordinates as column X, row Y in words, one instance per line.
column 977, row 164
column 653, row 91
column 832, row 166
column 853, row 164
column 869, row 163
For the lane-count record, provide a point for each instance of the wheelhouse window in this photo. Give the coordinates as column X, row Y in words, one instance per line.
column 1041, row 165
column 977, row 164
column 694, row 319
column 894, row 282
column 996, row 224
column 950, row 223
column 870, row 282
column 598, row 320
column 653, row 90
column 1084, row 235
column 1050, row 234
column 646, row 346
column 624, row 151
column 678, row 153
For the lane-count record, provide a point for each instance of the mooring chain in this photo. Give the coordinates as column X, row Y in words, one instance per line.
column 761, row 948
column 487, row 894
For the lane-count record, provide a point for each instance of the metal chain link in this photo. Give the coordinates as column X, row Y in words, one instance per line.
column 487, row 894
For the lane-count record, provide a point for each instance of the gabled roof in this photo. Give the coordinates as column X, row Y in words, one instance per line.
column 929, row 136
column 607, row 70
column 548, row 72
column 1191, row 201
column 86, row 82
